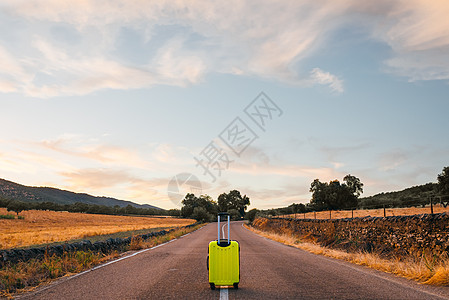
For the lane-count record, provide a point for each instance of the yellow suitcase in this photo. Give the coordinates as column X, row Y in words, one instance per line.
column 223, row 261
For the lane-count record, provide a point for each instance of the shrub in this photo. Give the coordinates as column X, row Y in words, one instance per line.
column 235, row 215
column 8, row 216
column 201, row 215
column 252, row 214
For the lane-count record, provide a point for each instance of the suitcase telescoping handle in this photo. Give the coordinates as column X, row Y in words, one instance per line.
column 222, row 214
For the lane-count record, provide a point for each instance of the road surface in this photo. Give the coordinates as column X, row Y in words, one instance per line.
column 269, row 270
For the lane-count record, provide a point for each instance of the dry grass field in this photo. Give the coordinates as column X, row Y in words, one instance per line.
column 340, row 214
column 40, row 227
column 419, row 267
column 24, row 276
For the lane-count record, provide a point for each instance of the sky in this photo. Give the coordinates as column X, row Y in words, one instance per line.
column 148, row 100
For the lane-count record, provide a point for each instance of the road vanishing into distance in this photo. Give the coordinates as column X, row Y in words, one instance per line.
column 269, row 270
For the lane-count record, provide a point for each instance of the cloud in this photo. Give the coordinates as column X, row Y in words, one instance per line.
column 180, row 44
column 92, row 179
column 334, row 153
column 237, row 38
column 85, row 147
column 11, row 72
column 418, row 33
column 392, row 159
column 257, row 162
column 318, row 76
column 119, row 183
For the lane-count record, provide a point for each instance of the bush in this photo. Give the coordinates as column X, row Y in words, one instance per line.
column 252, row 214
column 201, row 215
column 8, row 216
column 235, row 214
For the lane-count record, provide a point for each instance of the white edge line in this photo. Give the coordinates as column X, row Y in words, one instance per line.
column 105, row 264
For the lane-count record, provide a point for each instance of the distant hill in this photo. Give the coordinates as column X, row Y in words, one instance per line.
column 15, row 191
column 408, row 197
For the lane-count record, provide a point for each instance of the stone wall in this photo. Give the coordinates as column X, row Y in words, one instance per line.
column 16, row 255
column 400, row 235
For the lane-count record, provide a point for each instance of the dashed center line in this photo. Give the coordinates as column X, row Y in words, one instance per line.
column 224, row 294
column 222, row 230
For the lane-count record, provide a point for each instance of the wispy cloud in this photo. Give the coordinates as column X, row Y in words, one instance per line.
column 393, row 159
column 237, row 38
column 117, row 183
column 418, row 33
column 88, row 164
column 318, row 76
column 255, row 161
column 85, row 147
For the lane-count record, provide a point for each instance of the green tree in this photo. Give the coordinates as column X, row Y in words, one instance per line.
column 209, row 204
column 16, row 206
column 191, row 202
column 319, row 194
column 223, row 202
column 233, row 200
column 4, row 202
column 443, row 181
column 354, row 185
column 334, row 195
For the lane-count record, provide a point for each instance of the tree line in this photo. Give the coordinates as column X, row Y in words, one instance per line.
column 19, row 206
column 346, row 195
column 204, row 208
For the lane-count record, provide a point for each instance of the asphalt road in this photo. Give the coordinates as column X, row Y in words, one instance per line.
column 269, row 270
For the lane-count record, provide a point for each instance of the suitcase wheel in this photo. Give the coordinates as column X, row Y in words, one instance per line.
column 212, row 286
column 236, row 286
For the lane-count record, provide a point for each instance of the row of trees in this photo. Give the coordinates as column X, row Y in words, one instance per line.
column 336, row 195
column 345, row 195
column 19, row 206
column 204, row 208
column 332, row 195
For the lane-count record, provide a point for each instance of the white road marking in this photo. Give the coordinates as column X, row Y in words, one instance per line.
column 122, row 258
column 106, row 264
column 224, row 294
column 222, row 230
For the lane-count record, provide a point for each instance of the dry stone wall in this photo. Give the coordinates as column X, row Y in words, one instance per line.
column 400, row 235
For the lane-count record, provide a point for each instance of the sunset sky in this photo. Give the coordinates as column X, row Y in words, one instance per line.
column 115, row 98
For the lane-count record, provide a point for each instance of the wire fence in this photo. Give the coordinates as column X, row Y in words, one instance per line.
column 431, row 205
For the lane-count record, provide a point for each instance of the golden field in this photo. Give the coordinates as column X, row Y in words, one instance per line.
column 24, row 276
column 340, row 214
column 40, row 227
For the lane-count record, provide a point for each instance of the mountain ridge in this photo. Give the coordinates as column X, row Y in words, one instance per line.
column 17, row 191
